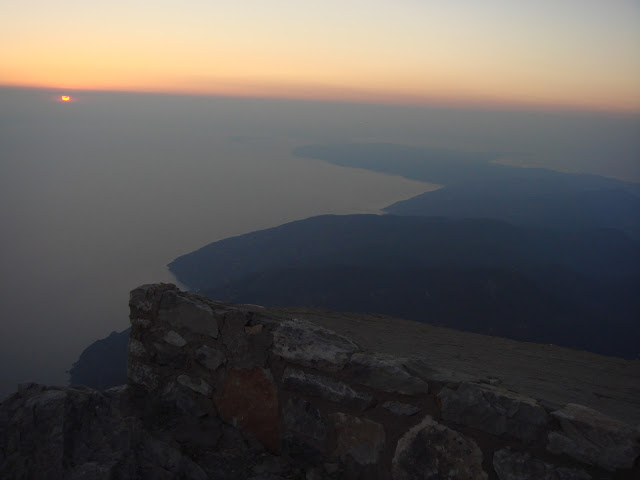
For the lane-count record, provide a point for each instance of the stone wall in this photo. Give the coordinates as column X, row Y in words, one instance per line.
column 308, row 393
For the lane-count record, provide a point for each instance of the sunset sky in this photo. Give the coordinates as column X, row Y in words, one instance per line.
column 547, row 53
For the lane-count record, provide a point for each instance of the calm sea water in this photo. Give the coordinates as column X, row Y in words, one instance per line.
column 97, row 196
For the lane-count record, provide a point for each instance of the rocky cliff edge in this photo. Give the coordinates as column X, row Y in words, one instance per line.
column 219, row 391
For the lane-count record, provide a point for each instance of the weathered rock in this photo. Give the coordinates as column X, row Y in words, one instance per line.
column 183, row 311
column 594, row 438
column 431, row 451
column 141, row 300
column 140, row 374
column 522, row 466
column 295, row 446
column 166, row 354
column 174, row 394
column 210, row 358
column 310, row 345
column 493, row 410
column 80, row 433
column 249, row 400
column 235, row 339
column 399, row 408
column 174, row 338
column 429, row 372
column 270, row 465
column 200, row 387
column 254, row 329
column 136, row 348
column 140, row 322
column 176, row 429
column 493, row 381
column 331, row 467
column 303, row 418
column 327, row 388
column 385, row 372
column 361, row 439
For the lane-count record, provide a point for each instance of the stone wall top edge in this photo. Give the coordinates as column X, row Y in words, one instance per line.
column 438, row 379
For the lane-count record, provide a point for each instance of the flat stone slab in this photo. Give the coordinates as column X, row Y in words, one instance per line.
column 386, row 373
column 310, row 345
column 593, row 438
column 403, row 409
column 493, row 410
column 327, row 388
column 189, row 313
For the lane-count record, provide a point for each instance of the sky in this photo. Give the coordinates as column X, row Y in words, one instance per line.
column 550, row 54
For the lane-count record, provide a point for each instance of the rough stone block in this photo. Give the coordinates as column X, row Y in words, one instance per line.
column 361, row 439
column 594, row 438
column 296, row 447
column 186, row 312
column 136, row 348
column 510, row 465
column 431, row 451
column 141, row 322
column 140, row 374
column 493, row 410
column 399, row 408
column 303, row 418
column 235, row 338
column 174, row 338
column 386, row 373
column 253, row 329
column 166, row 354
column 197, row 385
column 435, row 373
column 141, row 298
column 249, row 400
column 210, row 358
column 326, row 388
column 310, row 345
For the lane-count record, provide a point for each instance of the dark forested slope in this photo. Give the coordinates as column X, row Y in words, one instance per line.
column 555, row 286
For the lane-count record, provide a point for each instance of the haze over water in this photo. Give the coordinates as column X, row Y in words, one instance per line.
column 98, row 195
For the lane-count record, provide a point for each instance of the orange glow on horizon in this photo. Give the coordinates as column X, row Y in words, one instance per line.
column 494, row 54
column 439, row 90
column 439, row 97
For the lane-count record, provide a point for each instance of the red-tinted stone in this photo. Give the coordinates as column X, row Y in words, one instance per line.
column 249, row 400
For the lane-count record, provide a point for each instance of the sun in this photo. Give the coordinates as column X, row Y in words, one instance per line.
column 65, row 98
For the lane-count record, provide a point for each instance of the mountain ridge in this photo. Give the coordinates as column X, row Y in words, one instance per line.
column 575, row 275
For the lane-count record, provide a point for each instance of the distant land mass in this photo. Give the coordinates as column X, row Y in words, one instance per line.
column 567, row 287
column 474, row 187
column 525, row 253
column 103, row 364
